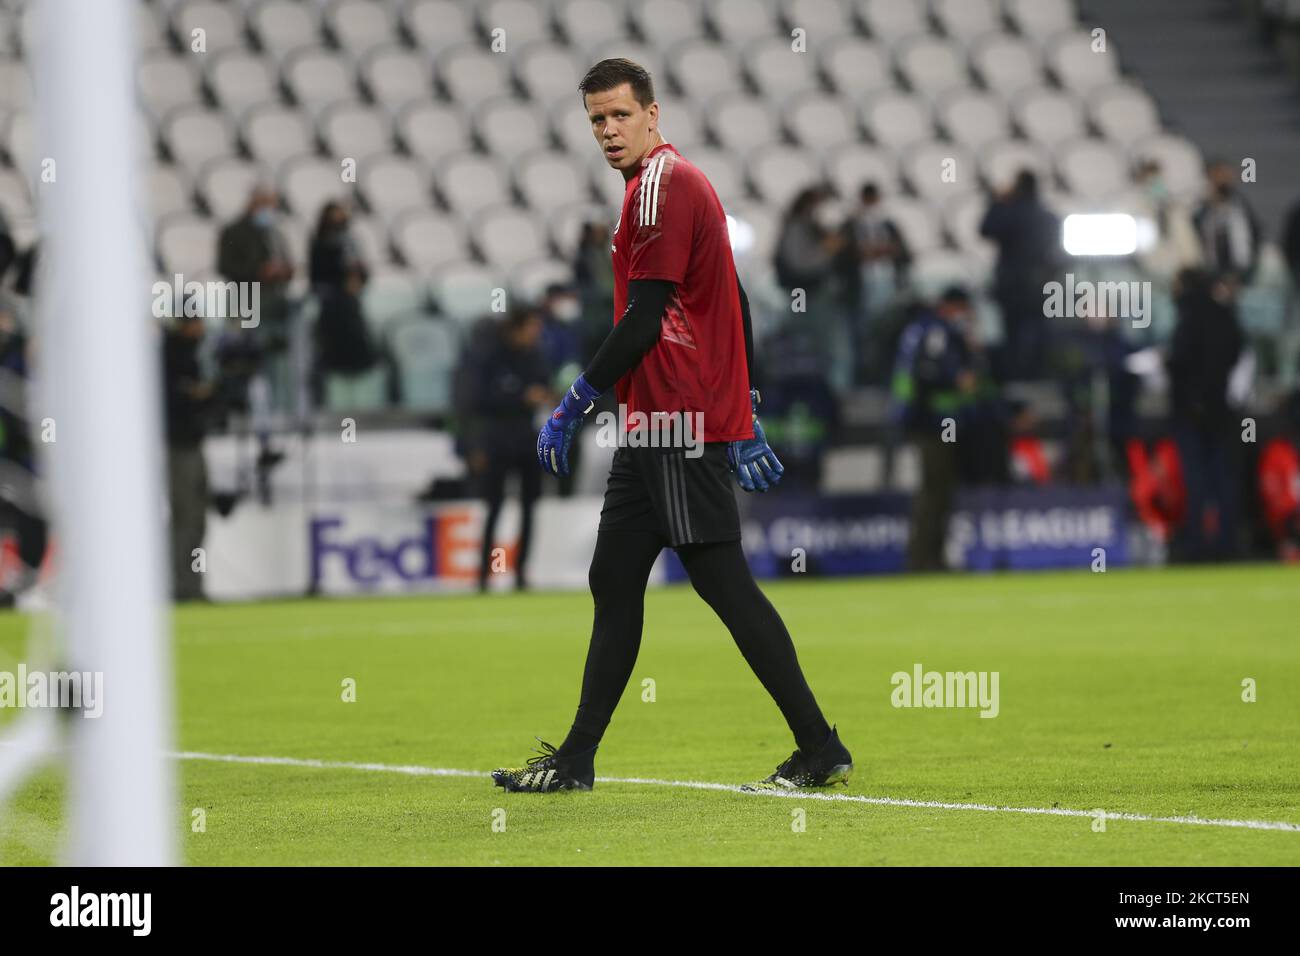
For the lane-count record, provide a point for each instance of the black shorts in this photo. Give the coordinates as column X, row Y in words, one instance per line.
column 686, row 500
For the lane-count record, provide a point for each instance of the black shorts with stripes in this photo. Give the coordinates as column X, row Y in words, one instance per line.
column 688, row 500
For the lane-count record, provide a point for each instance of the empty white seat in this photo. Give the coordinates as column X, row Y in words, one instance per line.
column 916, row 220
column 778, row 71
column 590, row 21
column 150, row 31
column 1001, row 161
column 723, row 171
column 1124, row 113
column 355, row 130
column 856, row 67
column 427, row 240
column 548, row 72
column 608, row 183
column 1006, row 64
column 572, row 128
column 432, row 130
column 194, row 135
column 852, row 168
column 1091, row 168
column 931, row 65
column 1040, row 18
column 550, row 180
column 220, row 24
column 239, row 80
column 468, row 183
column 1181, row 165
column 738, row 22
column 741, row 122
column 938, row 170
column 318, row 77
column 819, row 121
column 307, row 183
column 187, row 244
column 823, row 19
column 780, row 172
column 897, row 119
column 360, row 25
column 666, row 23
column 706, row 69
column 890, row 20
column 937, row 269
column 272, row 133
column 393, row 184
column 965, row 19
column 510, row 127
column 523, row 21
column 529, row 280
column 464, row 291
column 20, row 140
column 564, row 225
column 164, row 81
column 1049, row 116
column 284, row 25
column 507, row 236
column 680, row 123
column 169, row 190
column 371, row 238
column 973, row 118
column 472, row 74
column 435, row 25
column 1078, row 67
column 426, row 350
column 963, row 216
column 15, row 197
column 394, row 74
column 225, row 185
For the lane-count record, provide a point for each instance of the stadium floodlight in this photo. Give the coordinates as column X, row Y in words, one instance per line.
column 100, row 381
column 741, row 235
column 1100, row 234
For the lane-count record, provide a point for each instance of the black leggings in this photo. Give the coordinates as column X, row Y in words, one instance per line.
column 719, row 573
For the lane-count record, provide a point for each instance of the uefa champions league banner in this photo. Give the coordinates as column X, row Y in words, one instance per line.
column 990, row 529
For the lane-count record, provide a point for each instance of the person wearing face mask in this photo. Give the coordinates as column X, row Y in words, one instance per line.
column 334, row 256
column 1174, row 245
column 1227, row 227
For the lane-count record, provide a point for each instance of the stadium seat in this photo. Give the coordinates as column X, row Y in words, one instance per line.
column 652, row 58
column 392, row 184
column 471, row 75
column 394, row 295
column 436, row 25
column 931, row 65
column 821, row 121
column 1006, row 64
column 778, row 71
column 317, row 77
column 1077, row 67
column 916, row 220
column 891, row 20
column 507, row 236
column 528, row 280
column 666, row 24
column 469, row 183
column 851, row 168
column 780, row 172
column 222, row 27
column 225, row 184
column 187, row 244
column 1040, row 19
column 281, row 26
column 19, row 140
column 856, row 67
column 824, row 20
column 585, row 22
column 550, row 180
column 723, row 171
column 15, row 198
column 999, row 162
column 239, row 80
column 394, row 74
column 962, row 216
column 150, row 32
column 1049, row 117
column 738, row 22
column 427, row 352
column 1182, row 166
column 741, row 122
column 963, row 20
column 431, row 131
column 307, row 183
column 680, row 123
column 464, row 291
column 523, row 21
column 426, row 240
column 548, row 73
column 359, row 26
column 1123, row 113
column 510, row 127
column 973, row 118
column 1091, row 168
column 195, row 134
column 371, row 238
column 356, row 392
column 355, row 130
column 170, row 191
column 935, row 270
column 165, row 81
column 896, row 119
column 564, row 225
column 706, row 69
column 925, row 167
column 609, row 185
column 273, row 133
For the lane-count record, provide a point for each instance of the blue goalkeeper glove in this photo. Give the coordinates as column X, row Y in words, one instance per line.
column 556, row 437
column 755, row 464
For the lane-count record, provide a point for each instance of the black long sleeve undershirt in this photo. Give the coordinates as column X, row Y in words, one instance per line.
column 638, row 332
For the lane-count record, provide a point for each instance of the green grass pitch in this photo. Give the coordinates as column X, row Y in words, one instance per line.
column 1119, row 691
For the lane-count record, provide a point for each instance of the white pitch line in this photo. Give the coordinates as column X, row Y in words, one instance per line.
column 418, row 771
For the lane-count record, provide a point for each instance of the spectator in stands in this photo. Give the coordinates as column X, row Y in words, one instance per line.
column 593, row 275
column 334, row 254
column 1228, row 229
column 345, row 349
column 510, row 379
column 187, row 402
column 253, row 249
column 21, row 512
column 1028, row 237
column 1176, row 245
column 561, row 312
column 1206, row 345
column 877, row 267
column 934, row 386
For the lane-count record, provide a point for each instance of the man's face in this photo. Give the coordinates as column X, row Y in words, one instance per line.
column 623, row 127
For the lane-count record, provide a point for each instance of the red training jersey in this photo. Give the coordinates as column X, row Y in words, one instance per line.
column 673, row 227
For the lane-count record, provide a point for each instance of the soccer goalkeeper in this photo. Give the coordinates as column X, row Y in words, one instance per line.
column 681, row 345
